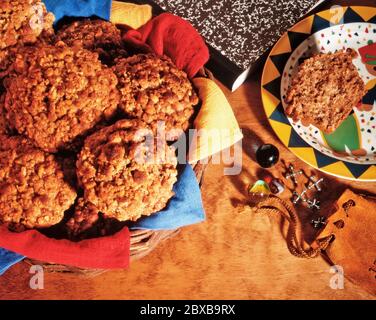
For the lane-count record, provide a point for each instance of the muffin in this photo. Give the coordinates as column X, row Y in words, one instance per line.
column 33, row 192
column 57, row 94
column 21, row 23
column 325, row 90
column 95, row 35
column 153, row 89
column 123, row 173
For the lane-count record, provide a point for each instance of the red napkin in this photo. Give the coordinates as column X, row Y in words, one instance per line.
column 174, row 37
column 99, row 253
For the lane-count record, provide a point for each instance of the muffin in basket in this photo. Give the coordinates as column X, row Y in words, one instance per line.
column 22, row 22
column 153, row 89
column 95, row 35
column 57, row 94
column 33, row 192
column 125, row 172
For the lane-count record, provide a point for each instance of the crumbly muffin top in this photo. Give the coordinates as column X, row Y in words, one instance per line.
column 153, row 89
column 96, row 35
column 56, row 94
column 22, row 21
column 123, row 173
column 325, row 89
column 33, row 192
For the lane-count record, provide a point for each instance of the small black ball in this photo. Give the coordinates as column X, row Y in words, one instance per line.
column 267, row 155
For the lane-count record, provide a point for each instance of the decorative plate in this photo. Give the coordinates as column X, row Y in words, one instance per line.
column 349, row 152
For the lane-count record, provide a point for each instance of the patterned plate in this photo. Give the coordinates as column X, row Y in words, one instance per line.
column 349, row 152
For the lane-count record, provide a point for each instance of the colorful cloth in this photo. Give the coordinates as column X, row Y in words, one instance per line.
column 79, row 8
column 8, row 259
column 216, row 125
column 130, row 14
column 102, row 253
column 162, row 34
column 183, row 209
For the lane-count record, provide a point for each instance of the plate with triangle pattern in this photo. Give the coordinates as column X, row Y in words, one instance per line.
column 350, row 151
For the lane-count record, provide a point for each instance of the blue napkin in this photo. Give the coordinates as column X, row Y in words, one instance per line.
column 79, row 8
column 183, row 209
column 8, row 259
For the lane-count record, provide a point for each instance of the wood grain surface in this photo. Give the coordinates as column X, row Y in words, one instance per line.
column 233, row 255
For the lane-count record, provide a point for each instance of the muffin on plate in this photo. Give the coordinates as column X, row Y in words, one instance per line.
column 33, row 192
column 325, row 90
column 57, row 94
column 125, row 173
column 153, row 89
column 95, row 35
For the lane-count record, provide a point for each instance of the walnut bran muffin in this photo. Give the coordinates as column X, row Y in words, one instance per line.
column 57, row 94
column 152, row 88
column 33, row 192
column 325, row 89
column 95, row 35
column 124, row 177
column 21, row 22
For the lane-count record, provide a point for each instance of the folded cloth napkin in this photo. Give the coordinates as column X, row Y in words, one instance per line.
column 216, row 125
column 8, row 259
column 130, row 14
column 162, row 34
column 183, row 209
column 79, row 8
column 102, row 253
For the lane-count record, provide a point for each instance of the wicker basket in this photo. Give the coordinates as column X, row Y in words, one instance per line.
column 142, row 241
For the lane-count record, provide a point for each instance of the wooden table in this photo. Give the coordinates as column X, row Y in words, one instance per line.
column 232, row 255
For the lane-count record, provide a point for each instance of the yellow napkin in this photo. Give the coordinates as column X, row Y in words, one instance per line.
column 130, row 14
column 216, row 125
